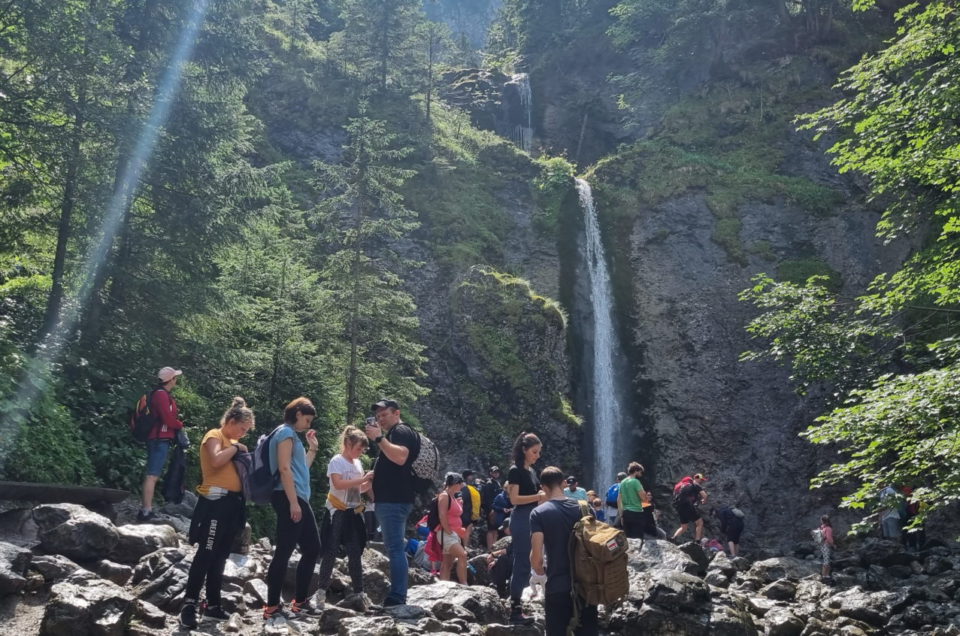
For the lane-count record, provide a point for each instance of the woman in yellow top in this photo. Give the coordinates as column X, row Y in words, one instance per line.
column 219, row 515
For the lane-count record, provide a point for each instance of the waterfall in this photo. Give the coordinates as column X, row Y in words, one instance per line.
column 608, row 445
column 523, row 134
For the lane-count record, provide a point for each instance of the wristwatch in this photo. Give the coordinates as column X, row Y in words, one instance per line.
column 378, row 439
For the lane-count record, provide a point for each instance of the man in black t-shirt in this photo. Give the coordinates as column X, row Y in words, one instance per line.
column 393, row 488
column 489, row 492
column 551, row 524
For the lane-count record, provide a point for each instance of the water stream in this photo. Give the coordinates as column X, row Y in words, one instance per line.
column 523, row 134
column 606, row 410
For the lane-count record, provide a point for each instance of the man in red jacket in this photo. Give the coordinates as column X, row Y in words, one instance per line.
column 161, row 437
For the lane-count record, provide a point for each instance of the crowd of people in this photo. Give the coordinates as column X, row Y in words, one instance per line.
column 524, row 522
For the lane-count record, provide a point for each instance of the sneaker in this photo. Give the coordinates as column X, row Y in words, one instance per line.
column 304, row 609
column 215, row 612
column 145, row 517
column 517, row 617
column 391, row 602
column 188, row 616
column 271, row 612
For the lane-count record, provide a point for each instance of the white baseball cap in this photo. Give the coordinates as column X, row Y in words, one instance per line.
column 168, row 373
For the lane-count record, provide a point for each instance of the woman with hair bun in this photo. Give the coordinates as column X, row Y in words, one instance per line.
column 219, row 515
column 525, row 494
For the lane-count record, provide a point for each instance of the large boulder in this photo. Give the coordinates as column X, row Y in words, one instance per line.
column 85, row 604
column 873, row 608
column 482, row 602
column 14, row 561
column 161, row 577
column 693, row 550
column 731, row 620
column 137, row 541
column 677, row 591
column 659, row 554
column 53, row 567
column 780, row 621
column 769, row 570
column 75, row 532
column 883, row 552
column 642, row 620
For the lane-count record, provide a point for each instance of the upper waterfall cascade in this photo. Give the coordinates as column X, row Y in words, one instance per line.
column 523, row 134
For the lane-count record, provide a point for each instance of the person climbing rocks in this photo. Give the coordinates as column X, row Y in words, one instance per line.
column 525, row 494
column 686, row 502
column 573, row 489
column 488, row 493
column 344, row 524
column 393, row 489
column 219, row 515
column 161, row 437
column 634, row 507
column 731, row 525
column 551, row 526
column 296, row 524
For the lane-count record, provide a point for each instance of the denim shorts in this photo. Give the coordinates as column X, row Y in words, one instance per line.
column 157, row 451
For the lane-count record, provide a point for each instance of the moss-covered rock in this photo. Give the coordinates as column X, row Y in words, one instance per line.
column 508, row 373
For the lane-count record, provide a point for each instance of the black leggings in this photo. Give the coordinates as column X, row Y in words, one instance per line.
column 302, row 534
column 343, row 527
column 221, row 521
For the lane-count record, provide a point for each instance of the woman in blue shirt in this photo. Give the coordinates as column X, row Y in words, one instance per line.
column 296, row 524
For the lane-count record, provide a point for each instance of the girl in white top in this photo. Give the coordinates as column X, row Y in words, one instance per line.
column 344, row 525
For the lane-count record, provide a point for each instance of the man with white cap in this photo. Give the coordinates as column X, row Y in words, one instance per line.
column 164, row 431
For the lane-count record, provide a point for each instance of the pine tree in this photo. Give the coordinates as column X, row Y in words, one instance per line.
column 364, row 222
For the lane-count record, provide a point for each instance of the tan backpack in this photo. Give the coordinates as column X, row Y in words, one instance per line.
column 598, row 556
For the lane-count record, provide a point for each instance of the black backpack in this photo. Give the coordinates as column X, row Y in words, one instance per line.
column 142, row 417
column 433, row 513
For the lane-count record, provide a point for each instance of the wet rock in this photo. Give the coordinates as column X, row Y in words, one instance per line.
column 883, row 552
column 722, row 563
column 53, row 567
column 717, row 578
column 873, row 608
column 677, row 591
column 482, row 602
column 74, row 532
column 160, row 578
column 781, row 621
column 769, row 570
column 780, row 590
column 84, row 604
column 658, row 554
column 113, row 572
column 138, row 540
column 14, row 561
column 693, row 550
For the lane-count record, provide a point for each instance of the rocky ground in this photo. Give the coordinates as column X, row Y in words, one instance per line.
column 67, row 570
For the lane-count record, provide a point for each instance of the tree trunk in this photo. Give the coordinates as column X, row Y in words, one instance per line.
column 67, row 203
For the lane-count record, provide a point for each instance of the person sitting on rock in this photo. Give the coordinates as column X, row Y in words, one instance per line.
column 551, row 526
column 451, row 532
column 344, row 525
column 573, row 490
column 731, row 525
column 500, row 561
column 686, row 503
column 219, row 515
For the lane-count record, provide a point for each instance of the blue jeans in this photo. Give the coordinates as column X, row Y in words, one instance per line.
column 393, row 525
column 520, row 531
column 157, row 451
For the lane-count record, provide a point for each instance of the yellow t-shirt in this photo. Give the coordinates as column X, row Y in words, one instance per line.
column 225, row 476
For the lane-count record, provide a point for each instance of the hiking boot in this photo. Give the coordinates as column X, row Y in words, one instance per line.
column 215, row 612
column 304, row 609
column 392, row 602
column 188, row 616
column 146, row 517
column 517, row 617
